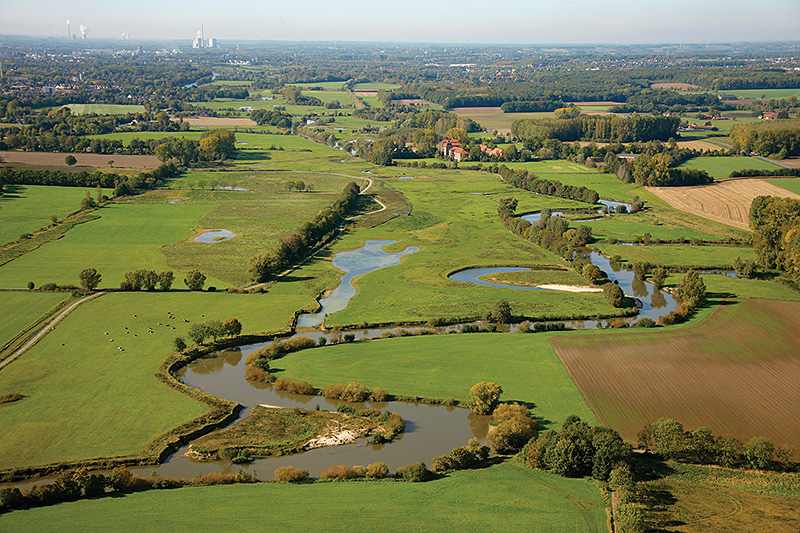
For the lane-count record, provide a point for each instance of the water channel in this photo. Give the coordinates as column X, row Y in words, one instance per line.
column 430, row 430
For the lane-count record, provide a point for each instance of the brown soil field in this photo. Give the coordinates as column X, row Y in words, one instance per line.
column 84, row 160
column 726, row 201
column 219, row 122
column 677, row 86
column 793, row 162
column 736, row 373
column 700, row 145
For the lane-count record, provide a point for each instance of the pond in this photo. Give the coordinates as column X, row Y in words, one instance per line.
column 353, row 263
column 611, row 205
column 212, row 236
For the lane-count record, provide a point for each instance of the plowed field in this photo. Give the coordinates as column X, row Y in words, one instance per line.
column 736, row 373
column 52, row 159
column 726, row 201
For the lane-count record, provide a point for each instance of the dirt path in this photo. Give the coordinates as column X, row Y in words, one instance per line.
column 48, row 327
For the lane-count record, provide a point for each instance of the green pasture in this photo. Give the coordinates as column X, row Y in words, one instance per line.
column 628, row 228
column 22, row 308
column 492, row 118
column 125, row 238
column 790, row 184
column 681, row 256
column 326, row 96
column 537, row 277
column 721, row 167
column 325, row 85
column 104, row 109
column 27, row 208
column 447, row 366
column 769, row 94
column 455, row 224
column 372, row 101
column 127, row 136
column 88, row 399
column 509, row 494
column 232, row 83
column 375, row 86
column 719, row 286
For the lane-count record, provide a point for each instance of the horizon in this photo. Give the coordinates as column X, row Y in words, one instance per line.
column 507, row 23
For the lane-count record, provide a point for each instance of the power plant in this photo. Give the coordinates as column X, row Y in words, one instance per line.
column 200, row 40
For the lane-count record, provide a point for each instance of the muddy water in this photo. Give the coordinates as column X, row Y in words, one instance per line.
column 353, row 263
column 430, row 430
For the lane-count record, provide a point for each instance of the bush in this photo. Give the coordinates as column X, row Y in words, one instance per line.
column 485, row 397
column 379, row 395
column 377, row 470
column 354, row 392
column 290, row 474
column 334, row 391
column 31, row 286
column 339, row 473
column 415, row 472
column 513, row 427
column 645, row 323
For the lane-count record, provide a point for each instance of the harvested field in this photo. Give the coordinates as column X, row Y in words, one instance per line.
column 727, row 201
column 793, row 162
column 700, row 145
column 84, row 160
column 219, row 122
column 736, row 373
column 677, row 86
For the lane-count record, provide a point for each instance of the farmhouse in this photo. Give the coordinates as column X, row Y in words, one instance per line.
column 497, row 152
column 452, row 148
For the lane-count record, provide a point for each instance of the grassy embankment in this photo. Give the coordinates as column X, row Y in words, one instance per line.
column 507, row 494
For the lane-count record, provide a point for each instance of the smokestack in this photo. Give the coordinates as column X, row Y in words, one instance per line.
column 84, row 29
column 202, row 37
column 69, row 35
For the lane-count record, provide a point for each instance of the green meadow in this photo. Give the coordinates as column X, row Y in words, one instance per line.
column 680, row 256
column 104, row 109
column 789, row 184
column 721, row 167
column 87, row 399
column 508, row 496
column 769, row 94
column 447, row 366
column 23, row 308
column 27, row 208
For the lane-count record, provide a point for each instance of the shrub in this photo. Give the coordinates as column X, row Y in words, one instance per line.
column 645, row 323
column 354, row 392
column 377, row 470
column 31, row 286
column 179, row 344
column 334, row 391
column 416, row 472
column 349, row 337
column 296, row 387
column 513, row 427
column 346, row 409
column 379, row 395
column 290, row 474
column 339, row 473
column 485, row 397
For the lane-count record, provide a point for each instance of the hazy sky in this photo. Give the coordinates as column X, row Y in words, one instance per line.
column 468, row 21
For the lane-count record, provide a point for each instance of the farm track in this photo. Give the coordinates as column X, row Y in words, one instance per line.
column 735, row 373
column 726, row 201
column 47, row 327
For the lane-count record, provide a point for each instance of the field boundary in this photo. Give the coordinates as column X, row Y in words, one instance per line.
column 23, row 335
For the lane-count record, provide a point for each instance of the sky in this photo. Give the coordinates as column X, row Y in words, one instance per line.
column 425, row 21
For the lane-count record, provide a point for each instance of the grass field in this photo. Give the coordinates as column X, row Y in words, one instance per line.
column 88, row 399
column 701, row 498
column 790, row 184
column 455, row 225
column 735, row 373
column 683, row 256
column 492, row 118
column 727, row 202
column 104, row 109
column 27, row 208
column 125, row 238
column 538, row 277
column 24, row 308
column 721, row 167
column 447, row 366
column 508, row 494
column 769, row 94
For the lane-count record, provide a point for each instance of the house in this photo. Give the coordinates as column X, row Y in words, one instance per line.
column 768, row 116
column 458, row 153
column 447, row 148
column 496, row 152
column 626, row 157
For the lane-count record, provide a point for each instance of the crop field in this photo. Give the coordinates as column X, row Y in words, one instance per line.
column 85, row 160
column 325, row 85
column 220, row 122
column 735, row 373
column 104, row 109
column 507, row 494
column 447, row 366
column 27, row 307
column 680, row 256
column 727, row 202
column 721, row 167
column 27, row 208
column 493, row 118
column 87, row 399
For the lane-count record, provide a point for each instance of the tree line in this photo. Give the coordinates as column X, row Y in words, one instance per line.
column 523, row 179
column 780, row 138
column 123, row 185
column 296, row 246
column 598, row 128
column 776, row 234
